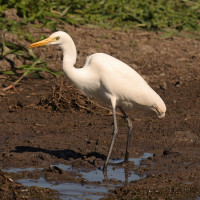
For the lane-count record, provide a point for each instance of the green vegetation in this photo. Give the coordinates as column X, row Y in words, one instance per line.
column 171, row 15
column 150, row 14
column 27, row 55
column 35, row 66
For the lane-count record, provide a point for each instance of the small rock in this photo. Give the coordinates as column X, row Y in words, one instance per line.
column 174, row 101
column 177, row 83
column 91, row 159
column 163, row 86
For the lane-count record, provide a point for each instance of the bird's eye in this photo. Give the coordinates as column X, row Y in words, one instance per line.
column 57, row 38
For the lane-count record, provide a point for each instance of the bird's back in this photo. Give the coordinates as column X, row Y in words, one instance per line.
column 124, row 83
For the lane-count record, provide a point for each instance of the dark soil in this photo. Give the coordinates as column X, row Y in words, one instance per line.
column 49, row 121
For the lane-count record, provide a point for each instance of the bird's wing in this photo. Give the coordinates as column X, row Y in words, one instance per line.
column 119, row 79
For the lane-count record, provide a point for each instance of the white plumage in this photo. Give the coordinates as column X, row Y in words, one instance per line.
column 109, row 79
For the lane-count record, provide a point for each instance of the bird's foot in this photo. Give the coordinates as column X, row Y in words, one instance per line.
column 105, row 172
column 104, row 167
column 126, row 157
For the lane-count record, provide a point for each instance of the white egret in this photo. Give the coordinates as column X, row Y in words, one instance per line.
column 108, row 79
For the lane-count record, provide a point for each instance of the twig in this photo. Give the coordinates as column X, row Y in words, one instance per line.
column 15, row 83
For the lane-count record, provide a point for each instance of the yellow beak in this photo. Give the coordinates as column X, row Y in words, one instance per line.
column 41, row 43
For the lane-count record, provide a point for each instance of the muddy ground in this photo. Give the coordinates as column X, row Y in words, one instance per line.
column 49, row 121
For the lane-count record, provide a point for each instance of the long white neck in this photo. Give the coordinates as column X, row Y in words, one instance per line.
column 80, row 77
column 69, row 60
column 69, row 50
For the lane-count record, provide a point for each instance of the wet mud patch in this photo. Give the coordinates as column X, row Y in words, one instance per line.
column 78, row 182
column 9, row 189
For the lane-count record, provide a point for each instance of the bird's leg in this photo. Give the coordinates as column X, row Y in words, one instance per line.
column 129, row 133
column 115, row 131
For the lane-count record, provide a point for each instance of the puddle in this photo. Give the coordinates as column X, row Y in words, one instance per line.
column 19, row 170
column 77, row 191
column 68, row 190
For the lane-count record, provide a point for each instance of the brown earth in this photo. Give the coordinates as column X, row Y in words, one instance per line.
column 49, row 121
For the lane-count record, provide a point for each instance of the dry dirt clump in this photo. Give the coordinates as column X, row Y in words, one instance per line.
column 67, row 97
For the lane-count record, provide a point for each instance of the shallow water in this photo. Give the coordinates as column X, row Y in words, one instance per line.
column 68, row 190
column 90, row 190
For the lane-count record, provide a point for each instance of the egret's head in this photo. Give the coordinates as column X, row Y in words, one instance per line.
column 58, row 38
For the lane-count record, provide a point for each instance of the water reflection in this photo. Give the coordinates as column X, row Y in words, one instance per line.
column 123, row 174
